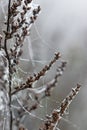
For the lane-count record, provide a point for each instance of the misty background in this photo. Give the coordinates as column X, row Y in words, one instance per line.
column 61, row 26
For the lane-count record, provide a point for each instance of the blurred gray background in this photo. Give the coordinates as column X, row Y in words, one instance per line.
column 61, row 26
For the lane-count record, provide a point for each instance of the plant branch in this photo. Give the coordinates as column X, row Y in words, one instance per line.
column 52, row 120
column 9, row 63
column 32, row 79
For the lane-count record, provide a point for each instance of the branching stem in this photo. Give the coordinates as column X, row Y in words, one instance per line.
column 9, row 65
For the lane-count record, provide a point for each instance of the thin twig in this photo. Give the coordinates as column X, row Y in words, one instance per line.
column 52, row 121
column 37, row 76
column 9, row 63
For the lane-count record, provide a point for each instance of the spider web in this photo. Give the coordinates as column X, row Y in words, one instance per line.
column 45, row 105
column 30, row 59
